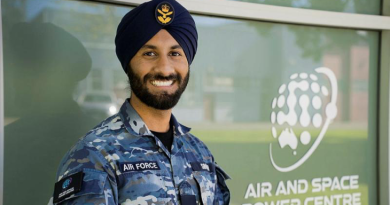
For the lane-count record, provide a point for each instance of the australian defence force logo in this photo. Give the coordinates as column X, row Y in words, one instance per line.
column 164, row 13
column 66, row 183
column 301, row 114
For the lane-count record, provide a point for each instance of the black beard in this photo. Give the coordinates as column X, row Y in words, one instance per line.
column 164, row 101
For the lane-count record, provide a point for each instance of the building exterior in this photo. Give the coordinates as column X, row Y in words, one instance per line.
column 291, row 96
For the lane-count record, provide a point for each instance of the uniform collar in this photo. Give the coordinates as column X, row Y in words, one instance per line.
column 135, row 125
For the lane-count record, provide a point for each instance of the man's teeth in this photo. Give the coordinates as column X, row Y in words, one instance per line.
column 162, row 83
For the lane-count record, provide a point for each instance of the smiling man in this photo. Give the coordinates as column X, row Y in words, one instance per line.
column 143, row 155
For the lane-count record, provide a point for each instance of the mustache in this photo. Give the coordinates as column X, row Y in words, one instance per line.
column 159, row 76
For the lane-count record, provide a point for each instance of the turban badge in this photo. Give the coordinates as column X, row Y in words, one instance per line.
column 164, row 13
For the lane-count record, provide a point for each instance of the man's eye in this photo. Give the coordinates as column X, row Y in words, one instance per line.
column 175, row 54
column 149, row 54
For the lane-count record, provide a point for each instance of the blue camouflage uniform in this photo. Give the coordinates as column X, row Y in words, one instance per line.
column 124, row 163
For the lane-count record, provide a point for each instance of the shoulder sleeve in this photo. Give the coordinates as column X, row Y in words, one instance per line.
column 85, row 177
column 222, row 193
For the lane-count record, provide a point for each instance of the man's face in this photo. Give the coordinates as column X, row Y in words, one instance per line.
column 159, row 72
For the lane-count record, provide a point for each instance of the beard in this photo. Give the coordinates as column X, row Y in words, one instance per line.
column 161, row 101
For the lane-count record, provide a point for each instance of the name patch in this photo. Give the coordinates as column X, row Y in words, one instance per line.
column 201, row 166
column 139, row 166
column 67, row 186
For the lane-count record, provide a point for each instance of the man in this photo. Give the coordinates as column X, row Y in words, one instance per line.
column 142, row 155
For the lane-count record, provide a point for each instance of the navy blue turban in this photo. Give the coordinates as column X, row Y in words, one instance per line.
column 143, row 22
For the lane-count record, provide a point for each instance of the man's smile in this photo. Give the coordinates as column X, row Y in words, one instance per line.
column 161, row 83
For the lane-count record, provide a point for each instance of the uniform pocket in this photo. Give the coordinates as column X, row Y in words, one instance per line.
column 149, row 183
column 206, row 181
column 188, row 193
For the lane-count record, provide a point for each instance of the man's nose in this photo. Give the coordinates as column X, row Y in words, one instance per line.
column 164, row 66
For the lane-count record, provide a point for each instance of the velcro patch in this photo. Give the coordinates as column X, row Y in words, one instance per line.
column 67, row 186
column 139, row 166
column 201, row 166
column 188, row 199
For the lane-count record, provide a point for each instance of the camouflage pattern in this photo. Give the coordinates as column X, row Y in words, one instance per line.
column 188, row 170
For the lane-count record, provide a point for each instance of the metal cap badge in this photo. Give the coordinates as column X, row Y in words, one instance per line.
column 165, row 13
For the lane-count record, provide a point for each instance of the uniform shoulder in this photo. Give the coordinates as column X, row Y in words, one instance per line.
column 90, row 151
column 109, row 128
column 197, row 144
column 100, row 137
column 194, row 138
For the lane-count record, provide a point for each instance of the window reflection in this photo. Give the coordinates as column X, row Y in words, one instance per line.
column 51, row 101
column 46, row 63
column 355, row 6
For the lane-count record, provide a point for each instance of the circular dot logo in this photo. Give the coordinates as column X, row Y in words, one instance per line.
column 66, row 183
column 301, row 114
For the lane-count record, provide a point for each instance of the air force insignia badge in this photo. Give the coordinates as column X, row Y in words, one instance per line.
column 165, row 13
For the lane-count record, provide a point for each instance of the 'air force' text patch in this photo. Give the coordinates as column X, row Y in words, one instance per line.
column 139, row 166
